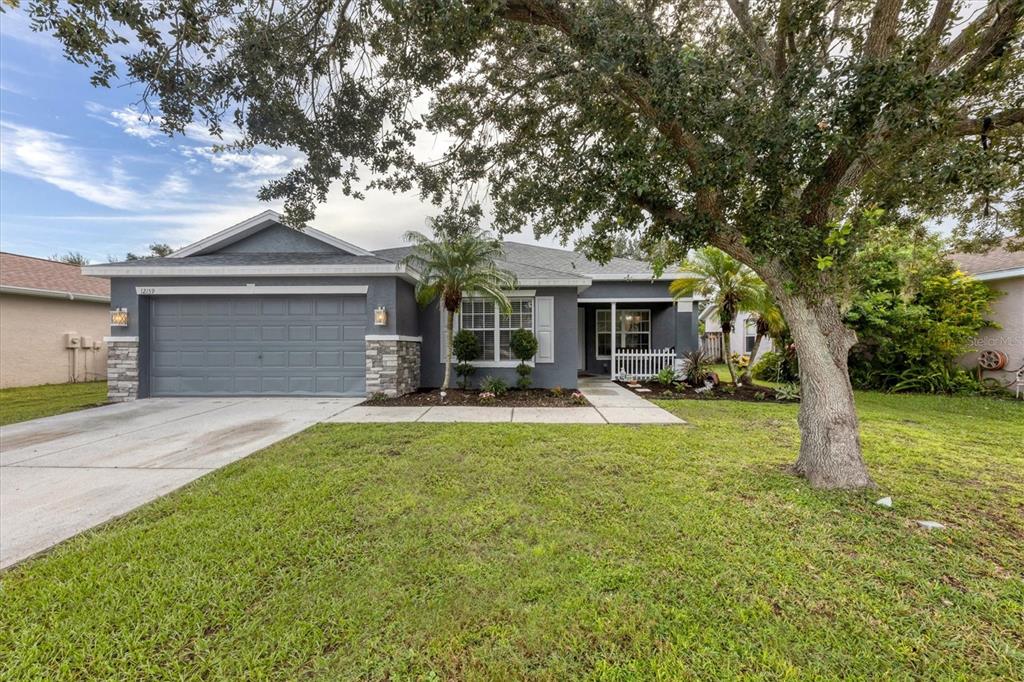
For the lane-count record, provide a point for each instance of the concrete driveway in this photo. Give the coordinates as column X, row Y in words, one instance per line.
column 61, row 475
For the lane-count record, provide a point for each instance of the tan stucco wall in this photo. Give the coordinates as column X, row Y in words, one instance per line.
column 32, row 332
column 1008, row 311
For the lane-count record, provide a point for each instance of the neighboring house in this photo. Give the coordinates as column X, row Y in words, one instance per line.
column 1002, row 270
column 52, row 322
column 260, row 308
column 742, row 338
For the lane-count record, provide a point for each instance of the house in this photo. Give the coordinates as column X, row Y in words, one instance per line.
column 52, row 322
column 741, row 340
column 262, row 309
column 1002, row 270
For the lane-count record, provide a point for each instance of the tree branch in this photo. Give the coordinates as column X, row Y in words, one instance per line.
column 998, row 121
column 955, row 49
column 739, row 10
column 932, row 35
column 884, row 22
column 781, row 31
column 552, row 15
column 992, row 42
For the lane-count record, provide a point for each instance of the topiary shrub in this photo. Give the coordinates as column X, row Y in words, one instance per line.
column 523, row 345
column 466, row 348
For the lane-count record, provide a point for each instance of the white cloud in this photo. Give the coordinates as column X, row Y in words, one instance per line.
column 42, row 155
column 175, row 184
column 135, row 124
column 16, row 26
column 250, row 169
column 51, row 158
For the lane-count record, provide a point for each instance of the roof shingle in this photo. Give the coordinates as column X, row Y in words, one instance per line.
column 26, row 272
column 999, row 258
column 524, row 260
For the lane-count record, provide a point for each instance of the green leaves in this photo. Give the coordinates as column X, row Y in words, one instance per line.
column 657, row 120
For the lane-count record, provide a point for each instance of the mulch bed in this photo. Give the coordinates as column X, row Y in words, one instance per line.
column 531, row 397
column 743, row 393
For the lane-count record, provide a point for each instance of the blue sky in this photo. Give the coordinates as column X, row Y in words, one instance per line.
column 82, row 170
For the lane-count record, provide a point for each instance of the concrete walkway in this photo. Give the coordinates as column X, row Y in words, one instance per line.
column 611, row 403
column 64, row 474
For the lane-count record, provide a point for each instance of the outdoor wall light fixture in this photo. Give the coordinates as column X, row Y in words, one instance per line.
column 380, row 316
column 119, row 317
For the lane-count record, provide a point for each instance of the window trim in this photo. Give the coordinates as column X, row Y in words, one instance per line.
column 618, row 328
column 497, row 329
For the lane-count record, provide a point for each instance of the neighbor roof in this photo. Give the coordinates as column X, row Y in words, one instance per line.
column 998, row 263
column 40, row 277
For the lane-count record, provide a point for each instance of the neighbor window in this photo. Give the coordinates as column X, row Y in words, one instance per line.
column 633, row 329
column 750, row 335
column 492, row 328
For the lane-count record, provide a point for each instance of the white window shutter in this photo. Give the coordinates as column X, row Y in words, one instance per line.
column 544, row 328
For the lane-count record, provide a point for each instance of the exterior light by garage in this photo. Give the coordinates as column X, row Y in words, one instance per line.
column 119, row 317
column 380, row 316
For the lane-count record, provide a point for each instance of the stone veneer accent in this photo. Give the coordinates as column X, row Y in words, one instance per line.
column 122, row 368
column 392, row 365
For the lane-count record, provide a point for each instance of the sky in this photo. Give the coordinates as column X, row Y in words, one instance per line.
column 82, row 170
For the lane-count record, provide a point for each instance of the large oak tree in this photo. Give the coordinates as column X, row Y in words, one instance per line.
column 774, row 129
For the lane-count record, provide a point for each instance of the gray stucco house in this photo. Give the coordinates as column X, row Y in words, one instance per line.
column 262, row 309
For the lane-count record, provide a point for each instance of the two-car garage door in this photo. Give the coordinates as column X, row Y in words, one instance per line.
column 258, row 345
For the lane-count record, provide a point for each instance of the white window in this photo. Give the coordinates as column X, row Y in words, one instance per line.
column 633, row 329
column 750, row 333
column 492, row 328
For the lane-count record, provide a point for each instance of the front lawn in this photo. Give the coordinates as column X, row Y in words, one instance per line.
column 32, row 402
column 505, row 551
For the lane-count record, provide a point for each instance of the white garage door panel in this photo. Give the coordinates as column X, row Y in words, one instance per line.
column 253, row 345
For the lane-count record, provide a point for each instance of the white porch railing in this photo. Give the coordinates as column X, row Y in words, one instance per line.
column 642, row 364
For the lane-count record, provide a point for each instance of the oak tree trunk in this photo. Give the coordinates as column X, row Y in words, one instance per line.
column 830, row 451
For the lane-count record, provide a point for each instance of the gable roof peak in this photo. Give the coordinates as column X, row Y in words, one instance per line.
column 255, row 224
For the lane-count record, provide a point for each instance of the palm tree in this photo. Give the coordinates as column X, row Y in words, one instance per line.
column 768, row 321
column 729, row 285
column 453, row 263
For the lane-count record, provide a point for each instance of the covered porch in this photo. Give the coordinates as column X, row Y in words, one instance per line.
column 626, row 338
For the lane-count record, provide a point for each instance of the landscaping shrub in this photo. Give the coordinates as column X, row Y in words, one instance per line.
column 776, row 366
column 698, row 367
column 523, row 345
column 914, row 315
column 467, row 349
column 788, row 392
column 740, row 361
column 666, row 377
column 494, row 385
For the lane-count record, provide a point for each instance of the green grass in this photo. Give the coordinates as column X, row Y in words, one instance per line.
column 502, row 551
column 32, row 402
